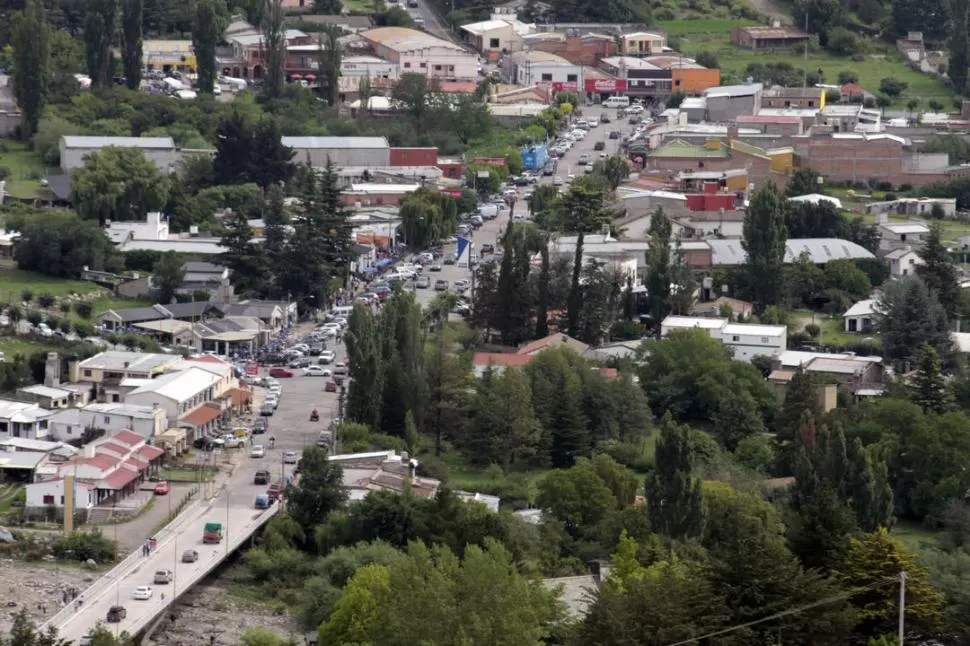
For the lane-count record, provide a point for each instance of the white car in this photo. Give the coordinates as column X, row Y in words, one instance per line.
column 290, row 457
column 636, row 108
column 233, row 441
column 340, row 368
column 327, row 356
column 258, row 452
column 594, row 123
column 558, row 181
column 316, row 371
column 143, row 593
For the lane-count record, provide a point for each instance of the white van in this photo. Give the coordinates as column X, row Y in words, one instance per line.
column 617, row 102
column 342, row 311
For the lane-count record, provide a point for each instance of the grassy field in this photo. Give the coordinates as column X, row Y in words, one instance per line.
column 26, row 169
column 358, row 6
column 714, row 36
column 14, row 281
column 11, row 346
column 914, row 536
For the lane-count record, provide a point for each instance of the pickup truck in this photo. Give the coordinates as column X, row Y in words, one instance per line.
column 212, row 533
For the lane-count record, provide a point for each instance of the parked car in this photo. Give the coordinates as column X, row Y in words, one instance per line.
column 604, row 118
column 257, row 451
column 280, row 373
column 260, row 426
column 436, row 267
column 583, row 160
column 423, row 282
column 163, row 576
column 340, row 368
column 331, row 386
column 441, row 285
column 615, row 134
column 290, row 457
column 143, row 593
column 190, row 556
column 599, row 145
column 162, row 488
column 116, row 614
column 267, row 410
column 327, row 356
column 316, row 371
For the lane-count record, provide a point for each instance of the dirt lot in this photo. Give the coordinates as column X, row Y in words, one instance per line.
column 208, row 611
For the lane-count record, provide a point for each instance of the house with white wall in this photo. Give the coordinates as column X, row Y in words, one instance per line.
column 20, row 419
column 899, row 235
column 112, row 417
column 745, row 340
column 861, row 317
column 116, row 365
column 903, row 262
column 180, row 394
column 417, row 52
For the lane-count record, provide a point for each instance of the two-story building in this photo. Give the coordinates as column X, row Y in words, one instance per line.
column 417, row 52
column 501, row 33
column 113, row 366
column 71, row 424
column 901, row 235
column 28, row 421
column 185, row 396
column 745, row 340
column 245, row 56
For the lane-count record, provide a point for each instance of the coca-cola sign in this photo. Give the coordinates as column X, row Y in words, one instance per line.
column 605, row 85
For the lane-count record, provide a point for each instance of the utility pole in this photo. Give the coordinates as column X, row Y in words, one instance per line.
column 902, row 605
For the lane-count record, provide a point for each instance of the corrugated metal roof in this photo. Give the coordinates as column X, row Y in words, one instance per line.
column 336, row 142
column 820, row 251
column 179, row 386
column 79, row 141
column 733, row 90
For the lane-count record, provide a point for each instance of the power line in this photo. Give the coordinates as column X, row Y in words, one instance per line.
column 793, row 611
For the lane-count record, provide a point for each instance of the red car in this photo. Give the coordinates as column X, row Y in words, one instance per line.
column 331, row 387
column 280, row 373
column 162, row 488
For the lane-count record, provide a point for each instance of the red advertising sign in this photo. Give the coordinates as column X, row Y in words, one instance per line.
column 568, row 86
column 606, row 85
column 452, row 192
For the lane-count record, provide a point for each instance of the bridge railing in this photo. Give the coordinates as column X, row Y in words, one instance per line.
column 118, row 571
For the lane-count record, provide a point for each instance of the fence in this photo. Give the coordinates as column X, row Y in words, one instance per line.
column 122, row 568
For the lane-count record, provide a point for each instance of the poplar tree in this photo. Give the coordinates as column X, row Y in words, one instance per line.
column 675, row 503
column 763, row 237
column 31, row 63
column 132, row 15
column 658, row 266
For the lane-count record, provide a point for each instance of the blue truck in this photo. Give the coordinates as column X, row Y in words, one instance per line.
column 534, row 157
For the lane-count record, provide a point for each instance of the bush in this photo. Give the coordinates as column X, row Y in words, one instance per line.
column 433, row 467
column 83, row 310
column 707, row 59
column 83, row 329
column 892, row 87
column 64, row 307
column 844, row 42
column 46, row 300
column 26, row 296
column 813, row 330
column 833, row 96
column 65, row 326
column 755, row 452
column 81, row 546
column 4, row 173
column 35, row 318
column 848, row 76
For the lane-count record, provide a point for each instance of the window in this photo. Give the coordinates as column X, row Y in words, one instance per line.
column 902, row 237
column 437, row 68
column 87, row 373
column 407, row 66
column 107, row 420
column 494, row 43
column 3, row 427
column 735, row 339
column 451, row 68
column 48, row 500
column 424, row 66
column 764, row 340
column 547, row 77
column 62, row 500
column 811, row 104
column 572, row 78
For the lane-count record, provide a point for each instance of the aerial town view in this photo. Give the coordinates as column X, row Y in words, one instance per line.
column 468, row 323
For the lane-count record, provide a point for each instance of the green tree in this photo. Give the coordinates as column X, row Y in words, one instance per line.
column 764, row 236
column 259, row 636
column 804, row 181
column 318, row 492
column 583, row 214
column 910, row 315
column 470, row 118
column 412, row 92
column 245, row 258
column 60, row 244
column 929, row 387
column 274, row 39
column 355, row 616
column 132, row 18
column 801, row 396
column 276, row 220
column 556, row 397
column 504, row 429
column 938, row 271
column 873, row 559
column 208, row 29
column 270, row 162
column 578, row 496
column 233, row 149
column 118, row 184
column 167, row 276
column 100, row 24
column 364, row 352
column 658, row 266
column 31, row 42
column 330, row 60
column 448, row 384
column 675, row 503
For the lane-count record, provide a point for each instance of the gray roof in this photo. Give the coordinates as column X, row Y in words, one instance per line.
column 733, row 90
column 335, row 142
column 76, row 141
column 27, row 460
column 200, row 267
column 820, row 250
column 158, row 312
column 60, row 186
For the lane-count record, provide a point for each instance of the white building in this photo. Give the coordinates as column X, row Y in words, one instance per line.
column 903, row 262
column 745, row 340
column 862, row 316
column 146, row 421
column 19, row 419
column 897, row 235
column 160, row 150
column 502, row 32
column 535, row 67
column 370, row 66
column 177, row 393
column 417, row 52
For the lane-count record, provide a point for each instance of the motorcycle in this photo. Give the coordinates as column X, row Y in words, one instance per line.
column 314, row 416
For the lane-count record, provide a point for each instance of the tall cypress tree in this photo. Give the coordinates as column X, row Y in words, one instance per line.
column 658, row 266
column 211, row 19
column 100, row 24
column 675, row 503
column 132, row 14
column 763, row 237
column 31, row 63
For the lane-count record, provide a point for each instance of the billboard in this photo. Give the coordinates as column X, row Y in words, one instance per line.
column 605, row 85
column 560, row 86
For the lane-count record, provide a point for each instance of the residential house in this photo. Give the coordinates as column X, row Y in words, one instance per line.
column 421, row 53
column 25, row 420
column 49, row 397
column 121, row 319
column 581, row 48
column 187, row 397
column 615, row 350
column 202, row 276
column 924, row 207
column 643, row 43
column 901, row 235
column 720, row 307
column 857, row 376
column 773, row 37
column 245, row 56
column 745, row 340
column 794, row 97
column 903, row 262
column 853, row 117
column 273, row 314
column 862, row 316
column 115, row 365
column 159, row 150
column 536, row 67
column 501, row 33
column 146, row 421
column 499, row 361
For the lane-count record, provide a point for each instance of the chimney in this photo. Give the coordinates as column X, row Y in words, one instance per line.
column 52, row 370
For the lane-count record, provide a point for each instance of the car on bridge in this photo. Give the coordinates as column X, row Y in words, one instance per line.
column 163, row 576
column 190, row 556
column 116, row 614
column 143, row 593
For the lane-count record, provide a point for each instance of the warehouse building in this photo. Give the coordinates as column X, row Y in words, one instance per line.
column 160, row 150
column 342, row 151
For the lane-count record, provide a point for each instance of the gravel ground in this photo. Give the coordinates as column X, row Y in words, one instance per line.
column 31, row 585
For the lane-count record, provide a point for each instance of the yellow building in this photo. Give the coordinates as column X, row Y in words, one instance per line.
column 169, row 56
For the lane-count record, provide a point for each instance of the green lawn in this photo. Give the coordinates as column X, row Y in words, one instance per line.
column 12, row 346
column 915, row 536
column 833, row 329
column 185, row 475
column 714, row 36
column 14, row 281
column 358, row 6
column 26, row 169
